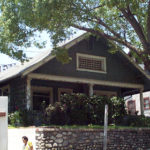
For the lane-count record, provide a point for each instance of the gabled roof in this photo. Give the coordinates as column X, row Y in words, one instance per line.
column 31, row 65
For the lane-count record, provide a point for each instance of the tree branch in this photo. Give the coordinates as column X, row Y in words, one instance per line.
column 148, row 22
column 112, row 38
column 99, row 21
column 94, row 8
column 135, row 24
column 97, row 7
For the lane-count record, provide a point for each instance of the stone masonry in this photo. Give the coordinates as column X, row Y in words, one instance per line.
column 91, row 139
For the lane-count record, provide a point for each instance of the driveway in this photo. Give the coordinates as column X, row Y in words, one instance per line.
column 15, row 137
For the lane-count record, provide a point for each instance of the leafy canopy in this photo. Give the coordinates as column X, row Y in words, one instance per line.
column 125, row 22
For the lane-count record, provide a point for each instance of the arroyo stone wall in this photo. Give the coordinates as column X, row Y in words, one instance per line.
column 91, row 139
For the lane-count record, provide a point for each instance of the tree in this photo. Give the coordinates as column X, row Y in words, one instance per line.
column 125, row 23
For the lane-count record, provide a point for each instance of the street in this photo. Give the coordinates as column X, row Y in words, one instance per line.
column 15, row 137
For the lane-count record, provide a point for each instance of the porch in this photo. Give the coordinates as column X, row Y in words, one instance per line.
column 48, row 88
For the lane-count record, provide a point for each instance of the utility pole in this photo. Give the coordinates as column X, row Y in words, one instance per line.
column 105, row 127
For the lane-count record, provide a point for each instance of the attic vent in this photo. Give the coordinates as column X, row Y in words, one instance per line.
column 91, row 63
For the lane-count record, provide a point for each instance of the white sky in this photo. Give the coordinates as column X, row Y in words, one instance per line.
column 33, row 51
column 4, row 59
column 30, row 52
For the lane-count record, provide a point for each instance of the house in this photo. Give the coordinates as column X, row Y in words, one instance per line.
column 93, row 70
column 133, row 105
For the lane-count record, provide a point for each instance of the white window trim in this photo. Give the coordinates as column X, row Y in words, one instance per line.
column 67, row 90
column 90, row 56
column 42, row 89
column 108, row 93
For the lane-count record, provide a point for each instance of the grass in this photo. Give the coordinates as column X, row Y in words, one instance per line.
column 90, row 126
column 77, row 126
column 11, row 127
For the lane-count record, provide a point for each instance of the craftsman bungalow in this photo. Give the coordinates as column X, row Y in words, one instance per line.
column 93, row 70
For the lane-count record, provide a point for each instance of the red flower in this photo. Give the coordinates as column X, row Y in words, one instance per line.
column 17, row 108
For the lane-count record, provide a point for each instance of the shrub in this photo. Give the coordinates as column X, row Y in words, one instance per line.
column 138, row 121
column 118, row 109
column 82, row 110
column 77, row 108
column 27, row 117
column 55, row 114
column 98, row 105
column 15, row 118
column 21, row 118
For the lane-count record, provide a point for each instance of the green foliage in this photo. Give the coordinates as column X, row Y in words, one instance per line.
column 21, row 118
column 55, row 114
column 98, row 105
column 138, row 121
column 26, row 117
column 77, row 108
column 21, row 19
column 80, row 109
column 118, row 109
column 61, row 55
column 15, row 118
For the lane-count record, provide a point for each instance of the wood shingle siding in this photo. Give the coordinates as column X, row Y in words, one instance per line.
column 118, row 68
column 17, row 93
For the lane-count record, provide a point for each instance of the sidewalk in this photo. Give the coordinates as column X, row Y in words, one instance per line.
column 15, row 137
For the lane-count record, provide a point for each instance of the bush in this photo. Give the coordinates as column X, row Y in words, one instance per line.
column 117, row 109
column 15, row 118
column 21, row 118
column 98, row 104
column 137, row 121
column 55, row 114
column 82, row 110
column 78, row 108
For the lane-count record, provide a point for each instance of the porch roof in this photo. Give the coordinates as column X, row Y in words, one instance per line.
column 84, row 81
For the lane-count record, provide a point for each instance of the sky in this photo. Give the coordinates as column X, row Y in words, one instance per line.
column 30, row 52
column 4, row 59
column 33, row 51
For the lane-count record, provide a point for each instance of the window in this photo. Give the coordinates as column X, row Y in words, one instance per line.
column 131, row 107
column 91, row 63
column 62, row 91
column 39, row 99
column 146, row 103
column 41, row 96
column 5, row 90
column 108, row 94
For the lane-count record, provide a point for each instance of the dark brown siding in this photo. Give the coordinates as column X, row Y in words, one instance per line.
column 119, row 69
column 17, row 93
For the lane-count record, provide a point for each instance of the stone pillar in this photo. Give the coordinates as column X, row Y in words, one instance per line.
column 141, row 102
column 28, row 94
column 91, row 89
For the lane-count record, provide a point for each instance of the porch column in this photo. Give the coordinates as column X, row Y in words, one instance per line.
column 28, row 94
column 91, row 89
column 141, row 102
